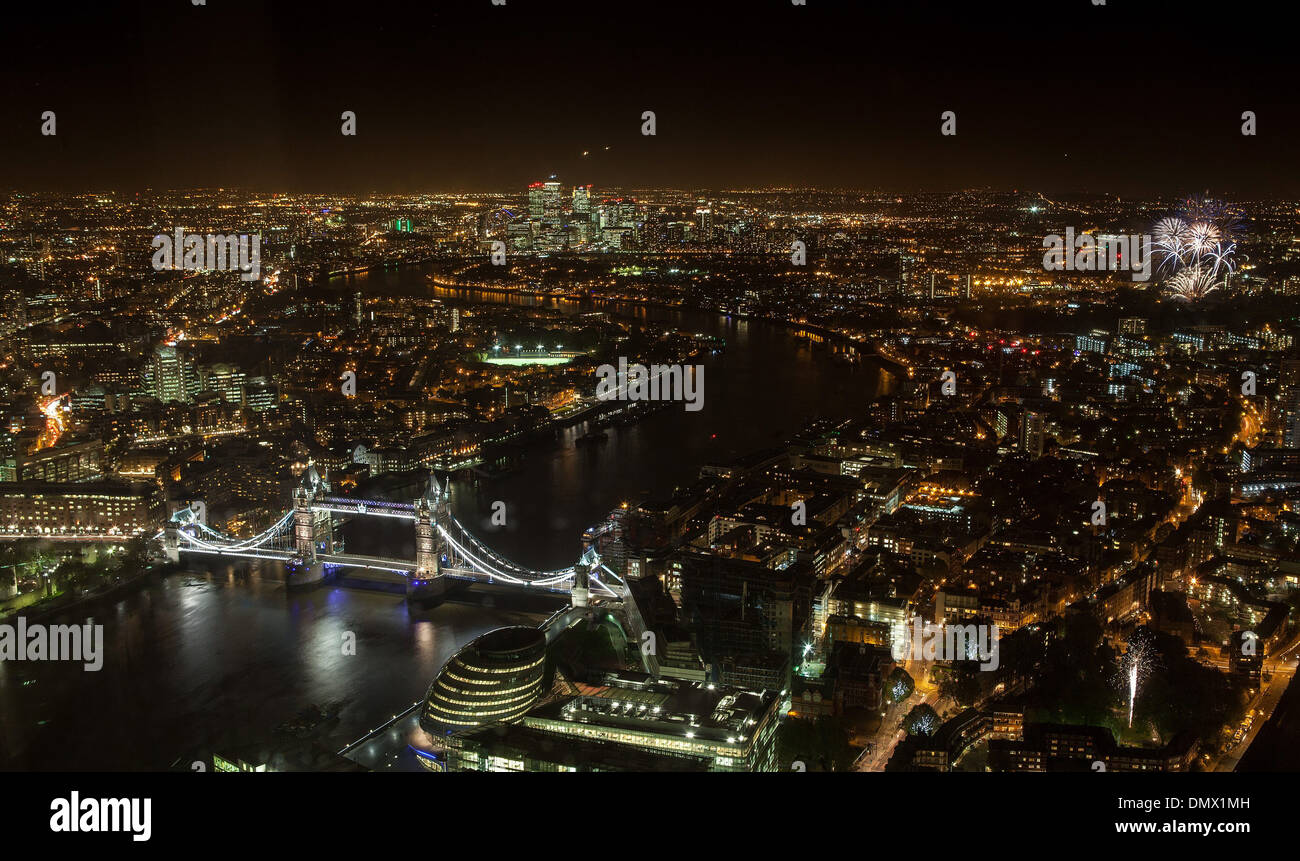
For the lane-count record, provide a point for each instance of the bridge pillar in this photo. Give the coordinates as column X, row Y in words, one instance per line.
column 425, row 588
column 305, row 574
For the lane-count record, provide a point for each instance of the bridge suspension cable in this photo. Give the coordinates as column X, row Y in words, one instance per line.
column 548, row 578
column 246, row 544
column 502, row 561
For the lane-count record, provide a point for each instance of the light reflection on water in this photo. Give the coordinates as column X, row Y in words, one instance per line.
column 212, row 660
column 195, row 663
column 764, row 386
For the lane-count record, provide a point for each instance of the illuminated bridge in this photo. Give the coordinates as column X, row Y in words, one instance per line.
column 445, row 551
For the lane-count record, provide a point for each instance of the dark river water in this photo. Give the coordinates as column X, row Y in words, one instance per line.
column 766, row 384
column 213, row 660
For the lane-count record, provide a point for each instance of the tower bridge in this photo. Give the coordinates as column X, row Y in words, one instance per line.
column 445, row 551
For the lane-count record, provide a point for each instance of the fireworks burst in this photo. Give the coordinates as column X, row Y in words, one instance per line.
column 1194, row 282
column 1134, row 668
column 1196, row 247
column 1168, row 239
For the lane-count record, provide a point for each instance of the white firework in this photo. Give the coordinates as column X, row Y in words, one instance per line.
column 1134, row 667
column 1221, row 255
column 1193, row 282
column 1196, row 248
column 1168, row 240
column 1201, row 237
column 1170, row 232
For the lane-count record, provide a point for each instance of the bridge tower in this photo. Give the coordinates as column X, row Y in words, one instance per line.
column 432, row 551
column 174, row 534
column 304, row 526
column 428, row 542
column 312, row 528
column 580, row 592
column 432, row 510
column 171, row 541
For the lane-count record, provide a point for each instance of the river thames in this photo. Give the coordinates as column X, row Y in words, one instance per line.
column 212, row 661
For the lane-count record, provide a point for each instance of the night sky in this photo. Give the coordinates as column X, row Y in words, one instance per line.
column 1130, row 98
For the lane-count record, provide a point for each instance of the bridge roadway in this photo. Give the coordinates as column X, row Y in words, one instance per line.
column 245, row 553
column 377, row 563
column 403, row 567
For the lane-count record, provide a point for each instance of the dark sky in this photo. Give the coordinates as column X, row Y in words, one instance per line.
column 1131, row 97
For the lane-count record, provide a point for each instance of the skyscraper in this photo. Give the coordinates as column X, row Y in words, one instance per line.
column 1289, row 395
column 552, row 208
column 173, row 375
column 704, row 225
column 1033, row 433
column 906, row 269
column 582, row 201
column 536, row 207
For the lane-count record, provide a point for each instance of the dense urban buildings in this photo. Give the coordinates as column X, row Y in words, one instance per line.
column 1063, row 460
column 754, row 388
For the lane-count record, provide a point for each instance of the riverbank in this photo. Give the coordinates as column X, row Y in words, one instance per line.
column 63, row 602
column 812, row 332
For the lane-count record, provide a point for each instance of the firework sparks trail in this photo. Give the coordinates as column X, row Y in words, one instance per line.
column 1132, row 692
column 1193, row 282
column 1133, row 670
